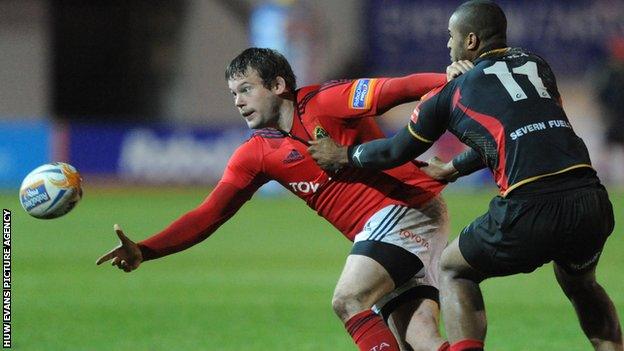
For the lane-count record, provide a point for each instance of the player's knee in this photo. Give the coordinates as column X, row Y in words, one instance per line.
column 448, row 268
column 580, row 288
column 347, row 304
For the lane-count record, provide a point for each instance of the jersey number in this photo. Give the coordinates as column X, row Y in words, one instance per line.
column 529, row 69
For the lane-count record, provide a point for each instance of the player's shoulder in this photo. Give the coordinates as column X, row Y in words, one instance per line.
column 308, row 94
column 511, row 54
column 443, row 92
column 260, row 143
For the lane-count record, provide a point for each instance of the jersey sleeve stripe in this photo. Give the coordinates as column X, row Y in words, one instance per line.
column 417, row 136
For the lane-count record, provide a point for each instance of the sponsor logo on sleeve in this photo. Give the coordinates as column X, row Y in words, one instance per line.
column 362, row 92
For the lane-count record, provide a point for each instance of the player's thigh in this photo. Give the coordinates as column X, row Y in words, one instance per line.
column 454, row 265
column 591, row 214
column 363, row 279
column 406, row 241
column 516, row 235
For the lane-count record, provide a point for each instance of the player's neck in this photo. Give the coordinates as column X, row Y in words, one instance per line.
column 286, row 112
column 491, row 49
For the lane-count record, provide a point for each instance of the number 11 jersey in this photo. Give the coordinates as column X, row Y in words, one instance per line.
column 507, row 109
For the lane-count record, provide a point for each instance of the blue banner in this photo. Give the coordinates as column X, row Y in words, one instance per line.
column 411, row 35
column 24, row 145
column 153, row 154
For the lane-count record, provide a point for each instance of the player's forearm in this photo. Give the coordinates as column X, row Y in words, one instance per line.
column 396, row 91
column 196, row 225
column 468, row 162
column 386, row 153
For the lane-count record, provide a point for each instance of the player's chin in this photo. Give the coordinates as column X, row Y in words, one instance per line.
column 253, row 124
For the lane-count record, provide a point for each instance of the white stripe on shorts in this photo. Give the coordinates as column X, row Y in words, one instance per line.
column 421, row 231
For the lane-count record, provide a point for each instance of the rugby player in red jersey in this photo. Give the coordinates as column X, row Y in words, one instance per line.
column 396, row 219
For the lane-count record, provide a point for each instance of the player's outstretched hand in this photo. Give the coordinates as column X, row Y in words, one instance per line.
column 443, row 171
column 458, row 68
column 328, row 154
column 127, row 256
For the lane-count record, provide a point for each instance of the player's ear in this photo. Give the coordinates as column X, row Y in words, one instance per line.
column 472, row 42
column 279, row 85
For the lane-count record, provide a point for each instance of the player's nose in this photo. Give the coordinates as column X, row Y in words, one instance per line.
column 239, row 101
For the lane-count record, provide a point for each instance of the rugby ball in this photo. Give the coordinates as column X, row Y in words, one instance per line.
column 51, row 190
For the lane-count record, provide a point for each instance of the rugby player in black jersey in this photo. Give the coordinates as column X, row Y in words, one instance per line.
column 551, row 207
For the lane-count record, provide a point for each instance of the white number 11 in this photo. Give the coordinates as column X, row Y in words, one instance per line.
column 529, row 69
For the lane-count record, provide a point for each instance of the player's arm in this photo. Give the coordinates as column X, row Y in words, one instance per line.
column 197, row 225
column 377, row 154
column 387, row 153
column 191, row 228
column 463, row 164
column 240, row 180
column 410, row 88
column 371, row 96
column 396, row 91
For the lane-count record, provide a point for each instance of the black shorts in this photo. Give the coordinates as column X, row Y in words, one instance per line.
column 521, row 233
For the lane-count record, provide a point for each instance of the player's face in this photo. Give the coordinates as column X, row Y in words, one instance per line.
column 456, row 41
column 258, row 105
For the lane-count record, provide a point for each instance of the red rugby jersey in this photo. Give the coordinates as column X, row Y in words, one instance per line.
column 344, row 110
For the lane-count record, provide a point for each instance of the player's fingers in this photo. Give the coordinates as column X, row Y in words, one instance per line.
column 434, row 160
column 420, row 163
column 127, row 268
column 465, row 65
column 115, row 261
column 120, row 234
column 105, row 257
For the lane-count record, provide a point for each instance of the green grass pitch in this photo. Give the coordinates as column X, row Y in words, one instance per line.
column 263, row 281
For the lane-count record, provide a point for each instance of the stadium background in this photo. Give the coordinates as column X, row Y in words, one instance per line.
column 132, row 93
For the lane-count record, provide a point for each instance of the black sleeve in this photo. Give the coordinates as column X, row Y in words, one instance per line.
column 387, row 153
column 468, row 162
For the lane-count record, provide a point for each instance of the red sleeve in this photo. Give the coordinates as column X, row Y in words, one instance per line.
column 400, row 90
column 241, row 179
column 372, row 96
column 196, row 225
column 244, row 168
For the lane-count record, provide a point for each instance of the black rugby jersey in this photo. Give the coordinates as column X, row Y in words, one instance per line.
column 507, row 109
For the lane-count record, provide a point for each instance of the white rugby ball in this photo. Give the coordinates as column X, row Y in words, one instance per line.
column 51, row 190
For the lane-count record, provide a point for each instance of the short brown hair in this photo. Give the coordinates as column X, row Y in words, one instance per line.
column 269, row 64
